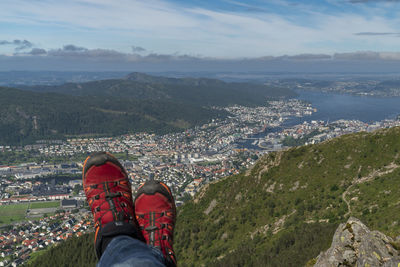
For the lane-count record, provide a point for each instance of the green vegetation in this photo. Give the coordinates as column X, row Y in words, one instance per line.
column 77, row 188
column 12, row 213
column 284, row 211
column 73, row 252
column 290, row 141
column 44, row 205
column 30, row 116
column 18, row 157
column 35, row 255
column 112, row 107
column 17, row 212
column 266, row 217
column 193, row 91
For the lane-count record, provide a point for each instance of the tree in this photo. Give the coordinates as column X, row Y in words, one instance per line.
column 77, row 188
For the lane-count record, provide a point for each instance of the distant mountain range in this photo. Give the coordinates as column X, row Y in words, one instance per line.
column 285, row 210
column 194, row 91
column 371, row 87
column 136, row 103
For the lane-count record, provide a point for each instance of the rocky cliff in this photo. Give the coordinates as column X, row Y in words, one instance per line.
column 355, row 245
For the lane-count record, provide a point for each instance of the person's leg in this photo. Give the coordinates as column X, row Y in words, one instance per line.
column 156, row 213
column 127, row 251
column 108, row 193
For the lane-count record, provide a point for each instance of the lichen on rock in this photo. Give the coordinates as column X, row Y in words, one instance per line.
column 354, row 244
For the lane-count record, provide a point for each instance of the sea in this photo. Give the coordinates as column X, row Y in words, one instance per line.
column 334, row 106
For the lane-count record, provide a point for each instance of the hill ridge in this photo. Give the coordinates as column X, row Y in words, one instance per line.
column 26, row 116
column 283, row 176
column 194, row 91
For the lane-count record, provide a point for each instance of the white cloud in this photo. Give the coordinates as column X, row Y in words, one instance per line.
column 368, row 55
column 165, row 27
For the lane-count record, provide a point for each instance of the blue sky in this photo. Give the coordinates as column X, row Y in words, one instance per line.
column 218, row 29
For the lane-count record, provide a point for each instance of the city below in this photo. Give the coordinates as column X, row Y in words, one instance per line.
column 44, row 202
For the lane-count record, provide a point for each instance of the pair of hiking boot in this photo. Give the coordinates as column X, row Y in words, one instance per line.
column 150, row 218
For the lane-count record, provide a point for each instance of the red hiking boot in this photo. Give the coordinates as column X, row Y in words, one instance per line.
column 108, row 193
column 155, row 212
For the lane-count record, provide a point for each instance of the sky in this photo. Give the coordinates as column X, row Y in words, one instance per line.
column 197, row 35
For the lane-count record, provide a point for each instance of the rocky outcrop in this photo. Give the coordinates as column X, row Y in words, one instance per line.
column 355, row 245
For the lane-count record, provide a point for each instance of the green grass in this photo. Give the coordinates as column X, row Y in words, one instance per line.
column 43, row 205
column 35, row 255
column 17, row 212
column 17, row 157
column 308, row 184
column 378, row 199
column 12, row 213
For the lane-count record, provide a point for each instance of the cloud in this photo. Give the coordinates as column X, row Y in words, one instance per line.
column 377, row 33
column 247, row 7
column 74, row 48
column 207, row 30
column 106, row 60
column 22, row 44
column 368, row 56
column 307, row 57
column 19, row 44
column 37, row 52
column 138, row 49
column 74, row 52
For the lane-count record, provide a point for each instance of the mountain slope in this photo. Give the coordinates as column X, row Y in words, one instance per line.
column 284, row 211
column 76, row 251
column 27, row 116
column 194, row 91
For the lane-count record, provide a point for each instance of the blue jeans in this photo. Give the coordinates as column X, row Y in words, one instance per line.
column 124, row 251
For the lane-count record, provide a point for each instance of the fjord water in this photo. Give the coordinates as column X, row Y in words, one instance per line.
column 333, row 106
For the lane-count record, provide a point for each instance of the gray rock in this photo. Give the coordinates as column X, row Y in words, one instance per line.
column 349, row 256
column 354, row 244
column 392, row 263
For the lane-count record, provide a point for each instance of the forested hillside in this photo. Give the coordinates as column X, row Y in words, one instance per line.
column 193, row 91
column 75, row 252
column 28, row 116
column 284, row 211
column 110, row 107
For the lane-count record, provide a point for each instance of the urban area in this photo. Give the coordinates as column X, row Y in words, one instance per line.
column 45, row 203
